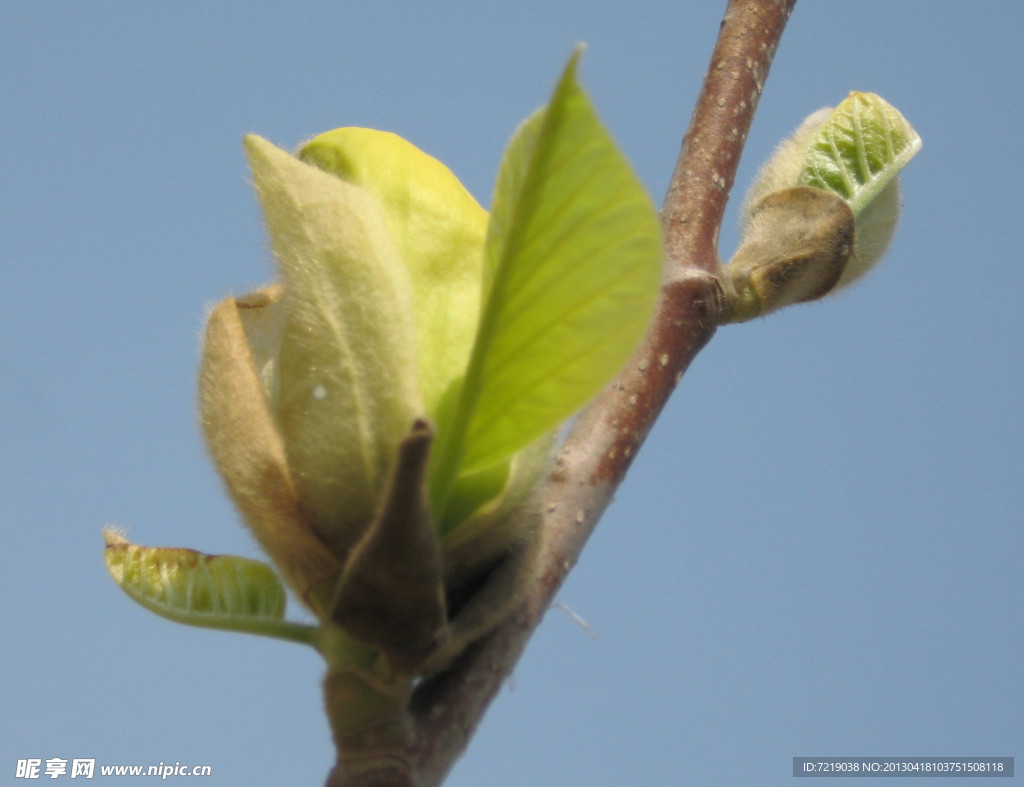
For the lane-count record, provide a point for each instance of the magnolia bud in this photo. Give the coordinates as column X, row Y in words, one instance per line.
column 381, row 415
column 308, row 389
column 797, row 248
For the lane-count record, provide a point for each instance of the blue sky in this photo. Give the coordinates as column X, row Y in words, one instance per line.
column 818, row 551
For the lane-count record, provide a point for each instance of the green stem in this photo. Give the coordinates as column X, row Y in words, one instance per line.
column 367, row 707
column 276, row 629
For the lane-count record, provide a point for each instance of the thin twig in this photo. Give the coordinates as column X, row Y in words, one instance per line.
column 606, row 436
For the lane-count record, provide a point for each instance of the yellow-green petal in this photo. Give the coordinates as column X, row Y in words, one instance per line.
column 439, row 229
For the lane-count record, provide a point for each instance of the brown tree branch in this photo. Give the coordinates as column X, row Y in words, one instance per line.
column 604, row 439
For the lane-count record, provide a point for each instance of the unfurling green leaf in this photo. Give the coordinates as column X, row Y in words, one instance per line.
column 572, row 272
column 859, row 150
column 857, row 154
column 213, row 591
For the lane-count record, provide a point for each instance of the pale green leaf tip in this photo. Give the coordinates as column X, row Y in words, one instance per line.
column 256, row 146
column 269, row 163
column 569, row 73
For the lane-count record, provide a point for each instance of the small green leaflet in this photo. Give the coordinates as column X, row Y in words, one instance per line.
column 572, row 273
column 859, row 150
column 213, row 591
